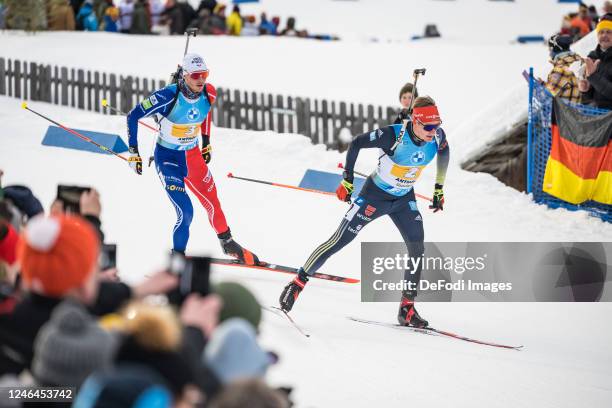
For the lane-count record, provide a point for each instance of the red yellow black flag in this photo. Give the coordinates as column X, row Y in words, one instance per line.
column 579, row 167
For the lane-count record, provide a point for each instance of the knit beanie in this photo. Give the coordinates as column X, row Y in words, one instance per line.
column 238, row 301
column 57, row 254
column 233, row 353
column 70, row 346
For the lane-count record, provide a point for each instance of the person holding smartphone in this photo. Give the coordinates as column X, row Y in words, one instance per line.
column 184, row 112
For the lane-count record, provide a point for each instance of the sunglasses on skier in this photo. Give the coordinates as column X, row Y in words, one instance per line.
column 429, row 126
column 199, row 75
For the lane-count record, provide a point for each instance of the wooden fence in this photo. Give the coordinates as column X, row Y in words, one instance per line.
column 320, row 120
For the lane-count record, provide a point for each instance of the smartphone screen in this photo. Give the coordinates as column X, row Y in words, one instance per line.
column 108, row 257
column 70, row 196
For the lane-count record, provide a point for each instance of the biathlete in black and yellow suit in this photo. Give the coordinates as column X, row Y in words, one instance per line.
column 387, row 191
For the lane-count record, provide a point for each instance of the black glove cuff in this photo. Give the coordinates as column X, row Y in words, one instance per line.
column 205, row 140
column 348, row 176
column 438, row 186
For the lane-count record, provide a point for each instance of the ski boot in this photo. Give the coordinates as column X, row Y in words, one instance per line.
column 293, row 290
column 408, row 315
column 232, row 248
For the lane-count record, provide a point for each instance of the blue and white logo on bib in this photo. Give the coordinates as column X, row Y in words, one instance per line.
column 417, row 157
column 193, row 113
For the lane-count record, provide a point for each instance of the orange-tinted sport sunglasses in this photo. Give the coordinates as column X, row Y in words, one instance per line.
column 199, row 75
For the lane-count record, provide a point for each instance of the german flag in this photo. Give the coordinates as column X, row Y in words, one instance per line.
column 579, row 167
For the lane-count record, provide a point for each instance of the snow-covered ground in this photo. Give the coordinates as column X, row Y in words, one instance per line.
column 567, row 358
column 474, row 73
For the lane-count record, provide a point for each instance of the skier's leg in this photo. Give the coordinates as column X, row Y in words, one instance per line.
column 408, row 221
column 361, row 212
column 201, row 183
column 171, row 173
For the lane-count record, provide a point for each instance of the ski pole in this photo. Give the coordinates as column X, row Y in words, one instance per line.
column 120, row 112
column 310, row 190
column 341, row 166
column 74, row 132
column 106, row 105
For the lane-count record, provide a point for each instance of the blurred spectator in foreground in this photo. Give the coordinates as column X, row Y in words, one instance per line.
column 61, row 16
column 126, row 8
column 234, row 22
column 267, row 27
column 250, row 393
column 607, row 7
column 596, row 88
column 562, row 80
column 59, row 258
column 141, row 23
column 87, row 16
column 249, row 28
column 71, row 346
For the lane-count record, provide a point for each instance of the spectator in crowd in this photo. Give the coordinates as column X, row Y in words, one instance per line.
column 566, row 27
column 2, row 12
column 578, row 26
column 250, row 393
column 110, row 18
column 234, row 22
column 203, row 23
column 596, row 88
column 59, row 260
column 87, row 16
column 405, row 99
column 267, row 27
column 217, row 20
column 61, row 16
column 291, row 31
column 157, row 7
column 29, row 15
column 607, row 7
column 126, row 8
column 594, row 16
column 584, row 15
column 141, row 22
column 125, row 386
column 71, row 346
column 174, row 18
column 561, row 80
column 189, row 14
column 207, row 5
column 249, row 28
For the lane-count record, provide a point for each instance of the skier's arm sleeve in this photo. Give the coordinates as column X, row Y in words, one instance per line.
column 156, row 103
column 383, row 138
column 211, row 93
column 443, row 157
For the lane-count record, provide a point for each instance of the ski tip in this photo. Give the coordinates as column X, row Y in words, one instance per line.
column 230, row 175
column 24, row 105
column 104, row 102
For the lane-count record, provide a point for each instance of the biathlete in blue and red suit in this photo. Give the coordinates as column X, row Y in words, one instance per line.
column 184, row 113
column 387, row 191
